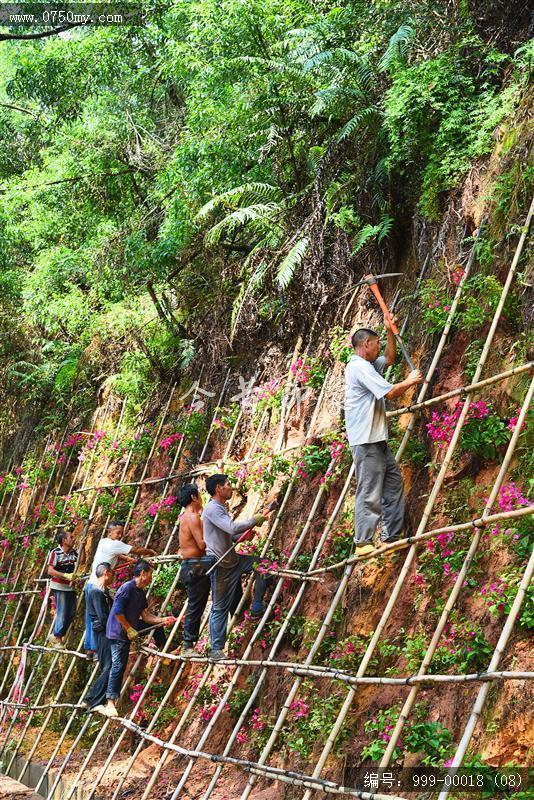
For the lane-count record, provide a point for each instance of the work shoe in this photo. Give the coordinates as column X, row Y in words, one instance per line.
column 217, row 655
column 108, row 710
column 364, row 549
column 54, row 642
column 257, row 613
column 188, row 651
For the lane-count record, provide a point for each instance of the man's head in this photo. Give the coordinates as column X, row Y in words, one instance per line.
column 65, row 539
column 219, row 487
column 104, row 573
column 115, row 529
column 142, row 573
column 366, row 344
column 190, row 496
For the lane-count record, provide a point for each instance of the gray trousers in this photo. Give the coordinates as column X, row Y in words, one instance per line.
column 379, row 493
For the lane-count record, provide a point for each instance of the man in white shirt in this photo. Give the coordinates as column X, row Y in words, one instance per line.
column 379, row 486
column 110, row 549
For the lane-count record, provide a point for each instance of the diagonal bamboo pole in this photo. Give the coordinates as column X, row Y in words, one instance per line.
column 459, row 582
column 493, row 665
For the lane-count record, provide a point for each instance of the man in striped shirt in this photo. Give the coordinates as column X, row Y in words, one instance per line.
column 61, row 569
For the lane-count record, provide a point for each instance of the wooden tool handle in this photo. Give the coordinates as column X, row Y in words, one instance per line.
column 380, row 300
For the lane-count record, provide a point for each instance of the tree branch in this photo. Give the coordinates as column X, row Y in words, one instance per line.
column 5, row 37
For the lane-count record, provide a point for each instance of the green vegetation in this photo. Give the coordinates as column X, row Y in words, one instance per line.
column 207, row 159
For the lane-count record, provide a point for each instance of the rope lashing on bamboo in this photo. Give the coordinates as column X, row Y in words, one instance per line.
column 41, row 648
column 433, row 495
column 287, row 776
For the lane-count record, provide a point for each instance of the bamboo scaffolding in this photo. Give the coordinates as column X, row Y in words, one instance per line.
column 175, row 681
column 71, row 631
column 434, row 493
column 136, row 496
column 494, row 663
column 54, row 661
column 315, row 782
column 149, row 682
column 342, row 587
column 27, row 583
column 124, row 688
column 280, row 512
column 459, row 582
column 82, row 731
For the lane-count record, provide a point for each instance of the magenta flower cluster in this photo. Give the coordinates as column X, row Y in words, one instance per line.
column 442, row 424
column 169, row 441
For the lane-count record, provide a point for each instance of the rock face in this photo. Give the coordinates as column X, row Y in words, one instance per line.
column 13, row 790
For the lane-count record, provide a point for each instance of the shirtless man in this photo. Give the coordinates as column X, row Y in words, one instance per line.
column 194, row 565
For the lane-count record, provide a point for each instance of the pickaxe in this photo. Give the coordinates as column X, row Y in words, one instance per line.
column 371, row 282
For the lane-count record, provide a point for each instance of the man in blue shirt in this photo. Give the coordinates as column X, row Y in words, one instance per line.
column 128, row 616
column 98, row 607
column 379, row 486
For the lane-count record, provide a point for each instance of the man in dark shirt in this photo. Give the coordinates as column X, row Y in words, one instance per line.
column 61, row 568
column 128, row 616
column 98, row 607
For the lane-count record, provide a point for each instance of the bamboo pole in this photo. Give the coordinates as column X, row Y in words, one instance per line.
column 468, row 389
column 459, row 582
column 401, row 544
column 433, row 495
column 287, row 776
column 493, row 665
column 442, row 341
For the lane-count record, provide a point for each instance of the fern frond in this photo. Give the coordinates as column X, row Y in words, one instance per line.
column 368, row 232
column 362, row 118
column 248, row 193
column 291, row 262
column 398, row 47
column 262, row 213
